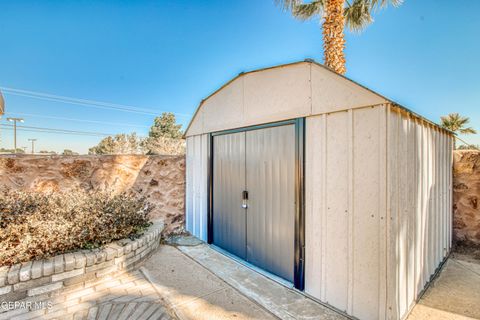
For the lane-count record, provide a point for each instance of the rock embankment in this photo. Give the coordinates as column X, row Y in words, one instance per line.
column 160, row 178
column 466, row 194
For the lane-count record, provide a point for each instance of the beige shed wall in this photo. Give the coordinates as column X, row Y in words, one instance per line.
column 346, row 210
column 279, row 93
column 378, row 209
column 419, row 173
column 331, row 92
column 196, row 187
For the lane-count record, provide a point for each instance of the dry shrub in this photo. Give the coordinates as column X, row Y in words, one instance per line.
column 36, row 225
column 163, row 145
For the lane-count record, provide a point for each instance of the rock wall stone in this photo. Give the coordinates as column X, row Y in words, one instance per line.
column 466, row 196
column 160, row 178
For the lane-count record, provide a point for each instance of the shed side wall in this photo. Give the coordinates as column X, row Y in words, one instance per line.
column 346, row 210
column 196, row 189
column 419, row 166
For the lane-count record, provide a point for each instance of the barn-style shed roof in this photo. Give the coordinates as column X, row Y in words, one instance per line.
column 282, row 92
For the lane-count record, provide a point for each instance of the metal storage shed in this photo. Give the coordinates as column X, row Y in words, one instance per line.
column 322, row 182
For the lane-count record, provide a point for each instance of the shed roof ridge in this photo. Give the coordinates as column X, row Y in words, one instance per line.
column 311, row 62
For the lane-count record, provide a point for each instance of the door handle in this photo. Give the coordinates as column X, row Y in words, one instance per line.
column 245, row 199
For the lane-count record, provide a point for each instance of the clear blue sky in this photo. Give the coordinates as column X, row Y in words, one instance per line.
column 168, row 55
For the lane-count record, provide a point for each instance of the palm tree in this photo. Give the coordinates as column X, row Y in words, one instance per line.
column 456, row 123
column 355, row 14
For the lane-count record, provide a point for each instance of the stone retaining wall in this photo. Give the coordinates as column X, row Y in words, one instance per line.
column 466, row 196
column 42, row 280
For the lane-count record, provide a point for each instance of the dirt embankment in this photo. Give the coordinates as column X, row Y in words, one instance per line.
column 466, row 197
column 160, row 178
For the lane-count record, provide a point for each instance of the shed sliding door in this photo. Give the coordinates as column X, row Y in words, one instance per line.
column 262, row 163
column 229, row 225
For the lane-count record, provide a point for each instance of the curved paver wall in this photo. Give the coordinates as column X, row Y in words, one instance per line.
column 466, row 194
column 43, row 279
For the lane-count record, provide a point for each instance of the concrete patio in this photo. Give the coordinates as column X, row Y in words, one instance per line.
column 199, row 282
column 454, row 294
column 189, row 280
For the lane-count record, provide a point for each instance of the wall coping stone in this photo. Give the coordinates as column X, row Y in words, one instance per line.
column 40, row 277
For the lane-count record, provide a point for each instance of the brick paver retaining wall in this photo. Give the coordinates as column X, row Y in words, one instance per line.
column 43, row 280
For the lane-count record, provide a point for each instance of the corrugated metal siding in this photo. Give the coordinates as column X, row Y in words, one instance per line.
column 345, row 210
column 196, row 189
column 271, row 205
column 229, row 218
column 378, row 209
column 419, row 164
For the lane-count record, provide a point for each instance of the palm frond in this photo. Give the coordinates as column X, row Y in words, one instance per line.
column 358, row 15
column 309, row 10
column 456, row 123
column 383, row 3
column 287, row 5
column 468, row 130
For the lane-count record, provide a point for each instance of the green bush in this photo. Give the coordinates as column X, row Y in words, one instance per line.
column 35, row 225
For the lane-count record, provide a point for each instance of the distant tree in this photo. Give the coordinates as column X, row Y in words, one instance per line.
column 162, row 145
column 119, row 144
column 68, row 152
column 19, row 150
column 456, row 123
column 165, row 136
column 105, row 146
column 469, row 147
column 166, row 126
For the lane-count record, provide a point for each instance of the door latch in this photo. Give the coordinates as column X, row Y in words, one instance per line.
column 244, row 199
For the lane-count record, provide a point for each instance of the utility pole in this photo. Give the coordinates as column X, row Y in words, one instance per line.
column 2, row 111
column 15, row 120
column 33, row 144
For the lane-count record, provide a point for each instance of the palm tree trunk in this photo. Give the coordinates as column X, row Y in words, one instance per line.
column 333, row 36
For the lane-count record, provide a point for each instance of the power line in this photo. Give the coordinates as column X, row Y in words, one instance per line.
column 85, row 102
column 82, row 104
column 54, row 130
column 463, row 141
column 76, row 119
column 43, row 131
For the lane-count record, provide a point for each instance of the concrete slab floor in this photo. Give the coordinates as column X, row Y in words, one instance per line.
column 283, row 302
column 454, row 294
column 190, row 291
column 198, row 282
